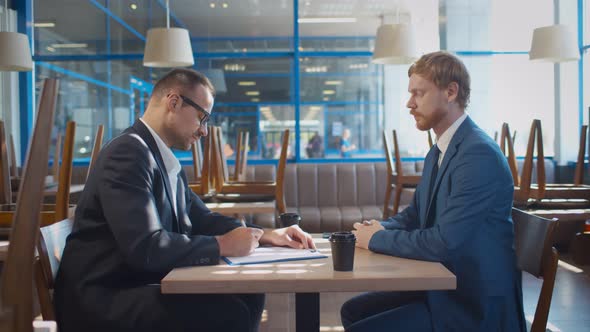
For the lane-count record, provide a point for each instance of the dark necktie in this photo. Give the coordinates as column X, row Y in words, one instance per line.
column 432, row 204
column 436, row 156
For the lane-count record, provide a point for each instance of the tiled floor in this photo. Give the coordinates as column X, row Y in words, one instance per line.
column 570, row 306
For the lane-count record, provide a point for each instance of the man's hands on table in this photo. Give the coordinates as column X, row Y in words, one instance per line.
column 242, row 241
column 291, row 236
column 364, row 231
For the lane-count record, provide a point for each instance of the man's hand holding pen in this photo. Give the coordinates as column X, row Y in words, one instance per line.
column 240, row 241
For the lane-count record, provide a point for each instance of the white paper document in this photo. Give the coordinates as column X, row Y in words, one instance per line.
column 274, row 254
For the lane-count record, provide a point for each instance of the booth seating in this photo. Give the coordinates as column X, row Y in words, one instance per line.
column 329, row 196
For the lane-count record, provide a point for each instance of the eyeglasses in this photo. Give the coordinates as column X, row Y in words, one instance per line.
column 203, row 121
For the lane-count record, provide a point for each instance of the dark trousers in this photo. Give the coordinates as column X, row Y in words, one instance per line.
column 146, row 309
column 387, row 311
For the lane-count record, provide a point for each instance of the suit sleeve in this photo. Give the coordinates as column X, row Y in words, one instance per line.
column 477, row 188
column 129, row 207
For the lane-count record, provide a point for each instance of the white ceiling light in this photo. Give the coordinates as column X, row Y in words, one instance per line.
column 395, row 44
column 554, row 43
column 168, row 47
column 15, row 52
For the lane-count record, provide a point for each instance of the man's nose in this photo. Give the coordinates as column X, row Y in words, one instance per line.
column 203, row 131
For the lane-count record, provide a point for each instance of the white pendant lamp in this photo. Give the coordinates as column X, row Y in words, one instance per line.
column 554, row 43
column 168, row 47
column 15, row 52
column 395, row 44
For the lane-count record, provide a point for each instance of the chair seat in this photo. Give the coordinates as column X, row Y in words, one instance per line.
column 47, row 214
column 562, row 191
column 559, row 203
column 244, row 198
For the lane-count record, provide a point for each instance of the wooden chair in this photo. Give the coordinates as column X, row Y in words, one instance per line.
column 202, row 167
column 63, row 190
column 559, row 190
column 543, row 195
column 535, row 255
column 51, row 244
column 241, row 156
column 5, row 180
column 248, row 190
column 395, row 175
column 95, row 148
column 507, row 147
column 57, row 157
column 13, row 167
column 16, row 293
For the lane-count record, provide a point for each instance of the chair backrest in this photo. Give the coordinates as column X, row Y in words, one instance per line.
column 506, row 143
column 95, row 148
column 202, row 186
column 197, row 153
column 50, row 247
column 524, row 193
column 13, row 166
column 56, row 157
column 5, row 185
column 387, row 146
column 16, row 297
column 533, row 237
column 398, row 160
column 579, row 172
column 241, row 156
column 62, row 198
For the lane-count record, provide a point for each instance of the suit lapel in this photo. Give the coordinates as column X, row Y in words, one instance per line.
column 147, row 137
column 460, row 134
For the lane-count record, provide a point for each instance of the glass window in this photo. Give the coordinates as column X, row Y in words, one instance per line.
column 497, row 25
column 64, row 34
column 249, row 80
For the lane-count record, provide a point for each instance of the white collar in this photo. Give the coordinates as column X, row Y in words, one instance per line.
column 170, row 161
column 444, row 140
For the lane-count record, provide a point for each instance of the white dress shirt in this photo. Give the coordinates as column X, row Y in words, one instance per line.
column 170, row 162
column 444, row 140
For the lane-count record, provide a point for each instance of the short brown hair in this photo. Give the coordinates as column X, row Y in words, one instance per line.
column 442, row 68
column 184, row 78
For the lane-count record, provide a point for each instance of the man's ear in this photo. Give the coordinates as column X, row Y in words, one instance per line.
column 452, row 91
column 172, row 101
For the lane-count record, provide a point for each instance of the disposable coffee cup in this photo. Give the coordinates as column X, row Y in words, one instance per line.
column 343, row 244
column 289, row 219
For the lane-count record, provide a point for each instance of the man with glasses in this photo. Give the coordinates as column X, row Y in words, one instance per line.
column 137, row 220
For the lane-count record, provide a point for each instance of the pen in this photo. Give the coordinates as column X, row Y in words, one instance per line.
column 243, row 222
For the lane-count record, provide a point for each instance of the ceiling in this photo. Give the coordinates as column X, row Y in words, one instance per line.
column 80, row 19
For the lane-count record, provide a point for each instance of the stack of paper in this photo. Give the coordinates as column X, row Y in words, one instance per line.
column 274, row 254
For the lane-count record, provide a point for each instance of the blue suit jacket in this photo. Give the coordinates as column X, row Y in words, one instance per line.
column 468, row 228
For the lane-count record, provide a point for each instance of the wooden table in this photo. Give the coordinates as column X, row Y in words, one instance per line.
column 240, row 208
column 308, row 278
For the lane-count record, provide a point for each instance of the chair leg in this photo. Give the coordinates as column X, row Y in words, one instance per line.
column 397, row 198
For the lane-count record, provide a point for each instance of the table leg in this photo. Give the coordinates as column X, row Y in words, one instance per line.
column 307, row 312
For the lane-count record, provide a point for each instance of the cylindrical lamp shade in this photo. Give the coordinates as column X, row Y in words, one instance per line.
column 395, row 44
column 15, row 52
column 168, row 47
column 554, row 43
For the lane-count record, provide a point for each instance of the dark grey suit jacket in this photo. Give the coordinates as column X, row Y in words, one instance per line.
column 126, row 235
